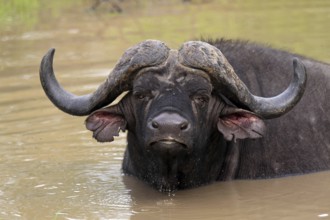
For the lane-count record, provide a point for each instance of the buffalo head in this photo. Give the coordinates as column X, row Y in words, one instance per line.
column 182, row 109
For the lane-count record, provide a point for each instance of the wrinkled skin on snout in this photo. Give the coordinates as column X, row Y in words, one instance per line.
column 177, row 127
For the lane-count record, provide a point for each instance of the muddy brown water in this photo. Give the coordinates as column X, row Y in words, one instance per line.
column 51, row 168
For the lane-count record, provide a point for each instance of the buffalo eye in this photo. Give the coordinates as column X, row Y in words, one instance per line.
column 142, row 95
column 201, row 100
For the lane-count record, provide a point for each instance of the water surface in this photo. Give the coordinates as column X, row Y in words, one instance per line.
column 51, row 168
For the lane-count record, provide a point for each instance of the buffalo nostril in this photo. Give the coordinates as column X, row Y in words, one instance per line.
column 184, row 126
column 155, row 125
column 169, row 123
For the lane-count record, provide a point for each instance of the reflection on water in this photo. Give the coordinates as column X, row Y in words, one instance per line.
column 50, row 166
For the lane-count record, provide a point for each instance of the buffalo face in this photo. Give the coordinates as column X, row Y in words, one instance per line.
column 173, row 120
column 169, row 108
column 169, row 125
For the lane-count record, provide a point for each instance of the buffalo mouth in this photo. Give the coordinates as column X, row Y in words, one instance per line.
column 168, row 146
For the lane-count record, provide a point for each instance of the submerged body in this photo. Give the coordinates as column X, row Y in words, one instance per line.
column 191, row 120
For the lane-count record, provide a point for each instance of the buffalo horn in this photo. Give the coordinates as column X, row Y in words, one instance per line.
column 145, row 54
column 201, row 55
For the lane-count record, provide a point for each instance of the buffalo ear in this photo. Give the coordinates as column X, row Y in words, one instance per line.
column 105, row 124
column 241, row 124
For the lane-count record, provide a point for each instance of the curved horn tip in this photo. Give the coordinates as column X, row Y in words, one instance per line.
column 300, row 75
column 51, row 50
column 46, row 65
column 50, row 53
column 298, row 66
column 48, row 57
column 277, row 106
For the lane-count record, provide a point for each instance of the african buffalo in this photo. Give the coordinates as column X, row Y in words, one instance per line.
column 192, row 120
